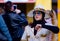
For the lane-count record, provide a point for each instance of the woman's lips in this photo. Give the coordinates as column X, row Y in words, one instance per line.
column 36, row 17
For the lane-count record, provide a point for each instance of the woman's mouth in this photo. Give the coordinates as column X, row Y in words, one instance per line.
column 36, row 17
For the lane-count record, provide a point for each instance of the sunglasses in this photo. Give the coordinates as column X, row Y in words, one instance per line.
column 36, row 12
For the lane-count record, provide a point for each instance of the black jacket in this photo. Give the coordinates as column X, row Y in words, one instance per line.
column 14, row 23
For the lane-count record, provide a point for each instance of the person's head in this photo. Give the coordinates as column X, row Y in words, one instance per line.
column 38, row 15
column 8, row 6
column 39, row 12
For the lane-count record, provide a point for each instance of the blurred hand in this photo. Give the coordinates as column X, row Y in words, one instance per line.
column 38, row 26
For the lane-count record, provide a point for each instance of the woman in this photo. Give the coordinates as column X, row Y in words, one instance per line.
column 35, row 32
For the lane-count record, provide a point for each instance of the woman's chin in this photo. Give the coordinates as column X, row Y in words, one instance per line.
column 37, row 19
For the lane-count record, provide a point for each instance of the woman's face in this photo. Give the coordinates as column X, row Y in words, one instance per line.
column 38, row 16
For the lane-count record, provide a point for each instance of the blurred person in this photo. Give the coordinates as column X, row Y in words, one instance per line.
column 21, row 14
column 50, row 17
column 4, row 32
column 13, row 21
column 37, row 31
column 54, row 22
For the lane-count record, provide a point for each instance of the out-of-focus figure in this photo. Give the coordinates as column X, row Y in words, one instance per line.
column 50, row 17
column 13, row 21
column 21, row 14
